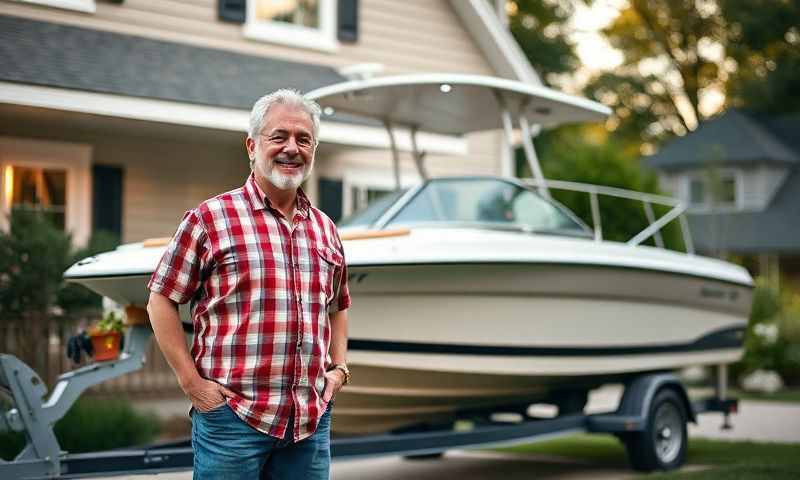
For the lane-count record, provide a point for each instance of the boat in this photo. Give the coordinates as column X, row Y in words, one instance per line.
column 477, row 294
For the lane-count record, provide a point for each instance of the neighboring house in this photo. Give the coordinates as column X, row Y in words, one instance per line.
column 121, row 114
column 740, row 176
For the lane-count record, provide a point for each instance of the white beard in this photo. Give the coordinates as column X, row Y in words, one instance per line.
column 287, row 182
column 280, row 180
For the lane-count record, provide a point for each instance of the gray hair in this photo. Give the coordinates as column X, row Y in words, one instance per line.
column 285, row 96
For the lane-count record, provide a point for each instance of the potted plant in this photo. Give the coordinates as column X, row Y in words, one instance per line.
column 106, row 337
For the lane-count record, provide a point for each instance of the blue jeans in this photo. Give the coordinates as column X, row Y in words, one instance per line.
column 227, row 448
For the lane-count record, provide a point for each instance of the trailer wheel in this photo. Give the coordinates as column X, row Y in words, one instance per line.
column 662, row 445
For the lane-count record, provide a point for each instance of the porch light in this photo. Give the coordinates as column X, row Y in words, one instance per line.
column 445, row 88
column 328, row 111
column 8, row 186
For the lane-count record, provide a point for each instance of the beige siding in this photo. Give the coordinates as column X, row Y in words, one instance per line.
column 405, row 36
column 187, row 174
column 164, row 178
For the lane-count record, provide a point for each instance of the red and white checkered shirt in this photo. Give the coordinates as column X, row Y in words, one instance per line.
column 261, row 289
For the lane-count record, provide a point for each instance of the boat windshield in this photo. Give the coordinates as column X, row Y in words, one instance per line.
column 486, row 202
column 375, row 210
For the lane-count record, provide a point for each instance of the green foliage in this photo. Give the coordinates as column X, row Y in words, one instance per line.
column 656, row 91
column 676, row 52
column 92, row 425
column 33, row 255
column 568, row 153
column 111, row 322
column 744, row 460
column 540, row 28
column 772, row 341
column 73, row 297
column 764, row 39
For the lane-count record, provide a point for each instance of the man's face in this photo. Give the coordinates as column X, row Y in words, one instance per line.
column 283, row 153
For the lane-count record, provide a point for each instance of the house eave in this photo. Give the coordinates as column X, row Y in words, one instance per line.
column 210, row 117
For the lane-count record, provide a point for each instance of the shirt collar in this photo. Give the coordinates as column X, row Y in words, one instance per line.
column 260, row 200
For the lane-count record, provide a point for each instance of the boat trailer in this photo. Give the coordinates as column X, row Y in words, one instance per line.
column 31, row 414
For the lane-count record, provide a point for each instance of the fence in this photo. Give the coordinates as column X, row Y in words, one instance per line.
column 42, row 344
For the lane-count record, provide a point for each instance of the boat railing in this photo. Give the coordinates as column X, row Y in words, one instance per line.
column 655, row 225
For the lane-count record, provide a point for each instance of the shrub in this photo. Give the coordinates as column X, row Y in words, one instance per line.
column 772, row 341
column 91, row 425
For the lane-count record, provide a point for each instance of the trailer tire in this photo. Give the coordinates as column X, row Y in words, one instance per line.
column 663, row 443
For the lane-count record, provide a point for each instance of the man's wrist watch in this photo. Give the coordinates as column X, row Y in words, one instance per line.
column 343, row 368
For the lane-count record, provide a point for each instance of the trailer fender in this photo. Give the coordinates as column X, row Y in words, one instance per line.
column 631, row 415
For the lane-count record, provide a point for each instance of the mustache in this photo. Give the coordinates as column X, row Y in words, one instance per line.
column 282, row 157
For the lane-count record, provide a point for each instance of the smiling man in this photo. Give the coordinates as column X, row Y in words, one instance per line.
column 265, row 273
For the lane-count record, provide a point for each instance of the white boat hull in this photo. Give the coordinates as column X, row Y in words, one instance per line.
column 430, row 338
column 457, row 337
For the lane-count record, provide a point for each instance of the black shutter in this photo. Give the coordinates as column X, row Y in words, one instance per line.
column 348, row 21
column 107, row 199
column 232, row 10
column 330, row 198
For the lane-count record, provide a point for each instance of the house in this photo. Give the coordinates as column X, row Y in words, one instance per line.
column 119, row 115
column 739, row 174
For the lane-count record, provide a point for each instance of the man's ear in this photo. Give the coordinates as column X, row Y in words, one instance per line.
column 250, row 145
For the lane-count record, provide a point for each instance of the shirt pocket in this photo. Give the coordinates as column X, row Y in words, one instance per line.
column 330, row 263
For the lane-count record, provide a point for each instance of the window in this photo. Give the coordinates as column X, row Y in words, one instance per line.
column 713, row 190
column 77, row 5
column 50, row 177
column 38, row 189
column 302, row 23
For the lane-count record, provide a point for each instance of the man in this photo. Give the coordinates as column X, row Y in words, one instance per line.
column 265, row 273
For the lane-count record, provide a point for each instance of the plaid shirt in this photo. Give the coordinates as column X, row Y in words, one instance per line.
column 261, row 289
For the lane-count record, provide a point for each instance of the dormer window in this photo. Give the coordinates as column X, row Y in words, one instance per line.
column 302, row 23
column 77, row 5
column 713, row 190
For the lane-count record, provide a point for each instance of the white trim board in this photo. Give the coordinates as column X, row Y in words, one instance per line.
column 202, row 116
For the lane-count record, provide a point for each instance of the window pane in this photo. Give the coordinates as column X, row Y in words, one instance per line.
column 697, row 192
column 297, row 12
column 40, row 189
column 727, row 191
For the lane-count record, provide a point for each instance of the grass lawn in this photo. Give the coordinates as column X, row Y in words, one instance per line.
column 786, row 395
column 726, row 460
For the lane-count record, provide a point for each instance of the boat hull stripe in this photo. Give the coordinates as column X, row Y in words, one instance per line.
column 720, row 339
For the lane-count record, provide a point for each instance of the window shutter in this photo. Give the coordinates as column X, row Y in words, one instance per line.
column 107, row 199
column 330, row 198
column 348, row 21
column 232, row 10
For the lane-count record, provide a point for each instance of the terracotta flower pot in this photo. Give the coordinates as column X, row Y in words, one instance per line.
column 106, row 345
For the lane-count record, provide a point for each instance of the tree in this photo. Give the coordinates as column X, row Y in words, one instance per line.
column 764, row 40
column 684, row 60
column 671, row 61
column 540, row 28
column 33, row 256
